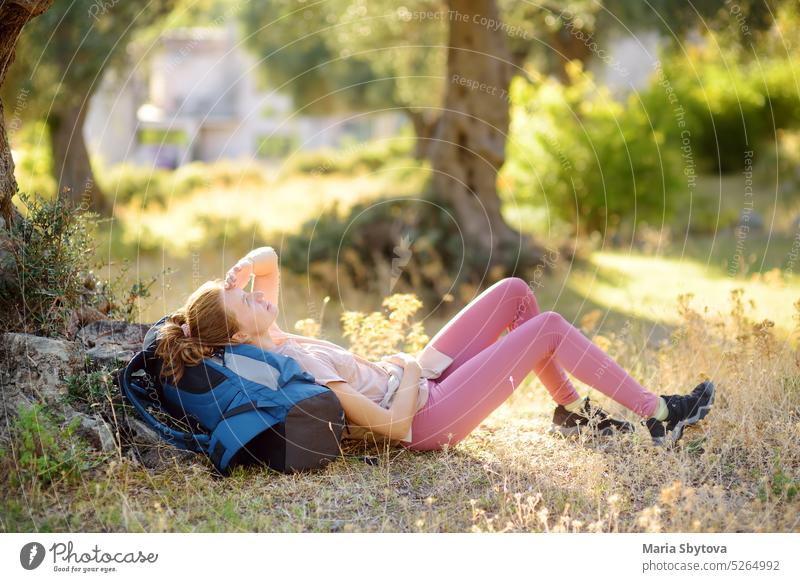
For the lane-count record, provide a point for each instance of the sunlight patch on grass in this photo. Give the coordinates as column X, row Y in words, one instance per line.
column 653, row 284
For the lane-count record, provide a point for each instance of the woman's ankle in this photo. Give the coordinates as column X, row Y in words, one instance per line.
column 661, row 412
column 576, row 405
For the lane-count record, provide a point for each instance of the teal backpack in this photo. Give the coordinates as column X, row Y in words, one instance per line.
column 244, row 405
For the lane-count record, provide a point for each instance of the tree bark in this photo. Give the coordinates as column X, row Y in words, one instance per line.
column 14, row 14
column 425, row 125
column 8, row 184
column 469, row 146
column 71, row 165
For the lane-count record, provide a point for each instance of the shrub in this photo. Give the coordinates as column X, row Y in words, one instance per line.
column 589, row 158
column 377, row 246
column 730, row 105
column 594, row 160
column 50, row 253
column 360, row 157
column 379, row 334
column 128, row 183
column 92, row 391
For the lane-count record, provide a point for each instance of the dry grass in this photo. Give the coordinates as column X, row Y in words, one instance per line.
column 738, row 470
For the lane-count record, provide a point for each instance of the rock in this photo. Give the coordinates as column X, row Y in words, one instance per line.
column 36, row 367
column 111, row 343
column 33, row 369
column 94, row 429
column 142, row 433
column 108, row 356
column 151, row 451
column 162, row 456
column 82, row 317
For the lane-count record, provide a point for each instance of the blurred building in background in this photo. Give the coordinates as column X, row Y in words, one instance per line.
column 195, row 98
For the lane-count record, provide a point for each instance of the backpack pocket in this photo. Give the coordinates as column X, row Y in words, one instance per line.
column 306, row 439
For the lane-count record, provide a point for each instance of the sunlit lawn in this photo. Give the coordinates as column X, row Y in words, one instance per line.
column 646, row 287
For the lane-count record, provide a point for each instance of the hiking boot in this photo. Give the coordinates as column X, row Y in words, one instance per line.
column 684, row 410
column 591, row 419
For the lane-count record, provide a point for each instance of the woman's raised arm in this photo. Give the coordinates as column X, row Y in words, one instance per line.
column 263, row 264
column 267, row 272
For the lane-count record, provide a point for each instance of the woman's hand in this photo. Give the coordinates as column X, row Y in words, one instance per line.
column 239, row 275
column 259, row 262
column 412, row 366
column 402, row 359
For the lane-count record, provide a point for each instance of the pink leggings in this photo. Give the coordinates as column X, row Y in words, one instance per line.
column 486, row 370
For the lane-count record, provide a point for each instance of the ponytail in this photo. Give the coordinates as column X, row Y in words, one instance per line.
column 209, row 328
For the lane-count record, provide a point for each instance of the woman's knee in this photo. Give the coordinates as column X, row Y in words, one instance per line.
column 517, row 285
column 551, row 319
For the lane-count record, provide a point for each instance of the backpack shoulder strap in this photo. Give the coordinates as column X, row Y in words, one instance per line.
column 151, row 337
column 279, row 369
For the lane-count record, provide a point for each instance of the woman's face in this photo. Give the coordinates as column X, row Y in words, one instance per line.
column 253, row 312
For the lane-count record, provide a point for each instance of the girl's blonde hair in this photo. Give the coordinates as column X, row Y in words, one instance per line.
column 210, row 327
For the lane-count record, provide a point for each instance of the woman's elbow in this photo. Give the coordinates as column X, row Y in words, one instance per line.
column 399, row 428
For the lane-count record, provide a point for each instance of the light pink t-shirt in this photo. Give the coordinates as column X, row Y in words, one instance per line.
column 328, row 362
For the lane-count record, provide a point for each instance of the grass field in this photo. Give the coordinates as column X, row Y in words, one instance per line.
column 738, row 470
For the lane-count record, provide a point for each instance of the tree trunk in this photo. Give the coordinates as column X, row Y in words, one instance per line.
column 469, row 146
column 14, row 14
column 8, row 184
column 71, row 165
column 425, row 125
